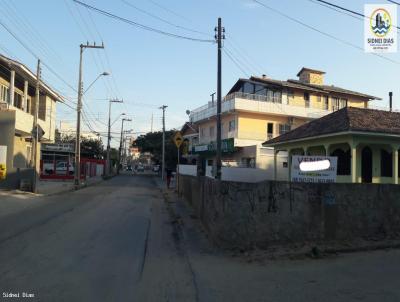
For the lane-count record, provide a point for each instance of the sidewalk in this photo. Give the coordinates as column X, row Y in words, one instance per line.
column 193, row 232
column 50, row 187
column 15, row 200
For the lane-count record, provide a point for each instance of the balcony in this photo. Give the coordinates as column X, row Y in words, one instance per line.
column 23, row 122
column 239, row 101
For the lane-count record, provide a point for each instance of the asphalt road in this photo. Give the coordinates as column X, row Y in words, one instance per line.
column 116, row 241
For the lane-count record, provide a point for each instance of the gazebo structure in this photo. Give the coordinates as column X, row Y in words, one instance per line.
column 365, row 141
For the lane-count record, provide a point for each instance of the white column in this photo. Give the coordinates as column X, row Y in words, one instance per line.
column 395, row 162
column 25, row 100
column 327, row 149
column 353, row 163
column 11, row 90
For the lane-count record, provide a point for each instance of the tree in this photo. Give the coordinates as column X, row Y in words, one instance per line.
column 152, row 142
column 90, row 148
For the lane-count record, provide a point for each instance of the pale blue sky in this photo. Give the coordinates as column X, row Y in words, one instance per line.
column 150, row 70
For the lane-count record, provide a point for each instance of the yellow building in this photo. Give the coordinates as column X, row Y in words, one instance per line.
column 365, row 141
column 261, row 108
column 17, row 96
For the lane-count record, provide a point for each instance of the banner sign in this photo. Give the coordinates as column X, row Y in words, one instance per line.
column 3, row 162
column 380, row 32
column 326, row 173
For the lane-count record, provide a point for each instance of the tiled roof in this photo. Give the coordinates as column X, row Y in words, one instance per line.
column 331, row 88
column 346, row 119
column 189, row 128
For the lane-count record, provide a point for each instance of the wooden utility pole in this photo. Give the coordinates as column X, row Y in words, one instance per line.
column 219, row 37
column 35, row 130
column 77, row 179
column 163, row 107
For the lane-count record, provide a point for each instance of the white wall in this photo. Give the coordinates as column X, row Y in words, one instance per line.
column 250, row 175
column 188, row 170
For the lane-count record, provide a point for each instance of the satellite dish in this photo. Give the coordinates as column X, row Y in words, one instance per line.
column 187, row 112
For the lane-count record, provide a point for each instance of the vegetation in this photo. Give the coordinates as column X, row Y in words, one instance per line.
column 152, row 142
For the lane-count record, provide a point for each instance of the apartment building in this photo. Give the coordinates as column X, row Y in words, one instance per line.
column 17, row 96
column 261, row 108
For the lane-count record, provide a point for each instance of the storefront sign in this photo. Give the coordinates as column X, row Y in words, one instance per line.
column 313, row 169
column 58, row 147
column 3, row 162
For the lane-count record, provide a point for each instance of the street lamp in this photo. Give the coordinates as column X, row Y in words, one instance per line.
column 109, row 132
column 122, row 114
column 104, row 74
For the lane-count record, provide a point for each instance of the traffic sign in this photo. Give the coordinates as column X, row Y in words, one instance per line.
column 178, row 139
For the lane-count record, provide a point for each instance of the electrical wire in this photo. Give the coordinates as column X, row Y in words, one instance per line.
column 141, row 26
column 163, row 20
column 229, row 55
column 343, row 9
column 322, row 32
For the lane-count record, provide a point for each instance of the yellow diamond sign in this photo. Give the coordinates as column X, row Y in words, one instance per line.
column 178, row 139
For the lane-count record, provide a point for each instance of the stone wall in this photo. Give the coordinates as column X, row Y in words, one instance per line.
column 247, row 215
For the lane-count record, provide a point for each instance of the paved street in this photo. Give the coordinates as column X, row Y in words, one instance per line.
column 116, row 241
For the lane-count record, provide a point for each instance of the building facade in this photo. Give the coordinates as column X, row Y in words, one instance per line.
column 17, row 105
column 260, row 108
column 366, row 143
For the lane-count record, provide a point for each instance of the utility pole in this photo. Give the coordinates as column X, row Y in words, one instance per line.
column 121, row 142
column 163, row 107
column 151, row 128
column 35, row 132
column 108, row 168
column 78, row 116
column 219, row 37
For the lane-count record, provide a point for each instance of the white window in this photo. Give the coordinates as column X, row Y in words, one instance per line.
column 5, row 94
column 232, row 125
column 283, row 128
column 342, row 103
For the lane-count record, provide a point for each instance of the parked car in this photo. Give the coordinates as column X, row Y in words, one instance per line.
column 61, row 168
column 156, row 168
column 129, row 168
column 140, row 168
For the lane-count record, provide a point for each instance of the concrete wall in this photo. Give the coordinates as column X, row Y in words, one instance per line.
column 247, row 215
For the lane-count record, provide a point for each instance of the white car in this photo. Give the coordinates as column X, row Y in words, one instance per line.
column 63, row 166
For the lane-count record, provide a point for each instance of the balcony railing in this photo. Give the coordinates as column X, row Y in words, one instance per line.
column 256, row 103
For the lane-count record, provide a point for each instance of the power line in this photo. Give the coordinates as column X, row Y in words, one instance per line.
column 394, row 2
column 138, row 25
column 35, row 55
column 168, row 10
column 322, row 32
column 346, row 9
column 163, row 20
column 229, row 55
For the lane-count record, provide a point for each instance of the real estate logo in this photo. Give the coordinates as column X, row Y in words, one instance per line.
column 379, row 29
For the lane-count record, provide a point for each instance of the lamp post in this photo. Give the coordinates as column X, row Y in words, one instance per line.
column 103, row 74
column 120, row 142
column 109, row 133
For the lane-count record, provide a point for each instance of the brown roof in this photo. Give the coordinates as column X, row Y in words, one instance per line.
column 311, row 70
column 288, row 84
column 189, row 128
column 335, row 89
column 346, row 119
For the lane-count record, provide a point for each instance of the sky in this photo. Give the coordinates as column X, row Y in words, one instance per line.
column 149, row 69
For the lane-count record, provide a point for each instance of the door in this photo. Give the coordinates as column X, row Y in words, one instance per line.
column 366, row 165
